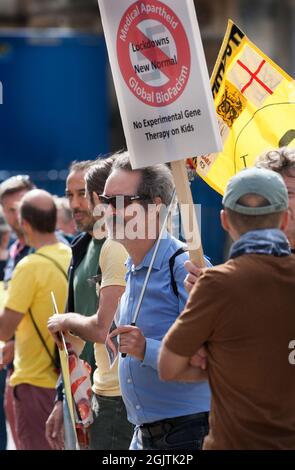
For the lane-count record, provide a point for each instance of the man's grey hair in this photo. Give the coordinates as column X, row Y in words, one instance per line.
column 280, row 160
column 156, row 181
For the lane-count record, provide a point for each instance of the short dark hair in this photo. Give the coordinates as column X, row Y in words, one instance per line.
column 15, row 184
column 245, row 223
column 80, row 166
column 41, row 220
column 156, row 181
column 97, row 175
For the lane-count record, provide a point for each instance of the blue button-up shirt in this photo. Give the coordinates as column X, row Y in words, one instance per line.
column 146, row 397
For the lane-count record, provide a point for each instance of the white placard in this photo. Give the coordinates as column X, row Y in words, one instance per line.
column 161, row 79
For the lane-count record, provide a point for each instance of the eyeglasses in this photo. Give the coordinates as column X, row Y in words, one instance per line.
column 119, row 200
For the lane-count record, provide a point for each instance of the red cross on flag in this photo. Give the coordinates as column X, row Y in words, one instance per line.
column 254, row 76
column 255, row 104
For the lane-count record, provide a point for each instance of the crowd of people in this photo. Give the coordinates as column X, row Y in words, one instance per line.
column 202, row 364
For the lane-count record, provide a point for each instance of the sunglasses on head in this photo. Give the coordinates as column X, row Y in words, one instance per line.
column 119, row 200
column 15, row 182
column 20, row 178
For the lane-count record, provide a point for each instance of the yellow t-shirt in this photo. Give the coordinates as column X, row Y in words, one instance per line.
column 112, row 264
column 2, row 295
column 32, row 281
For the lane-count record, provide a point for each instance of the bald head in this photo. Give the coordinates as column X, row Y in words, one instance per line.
column 39, row 199
column 38, row 208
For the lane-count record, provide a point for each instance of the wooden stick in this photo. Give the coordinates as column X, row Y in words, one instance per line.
column 188, row 214
column 54, row 302
column 60, row 334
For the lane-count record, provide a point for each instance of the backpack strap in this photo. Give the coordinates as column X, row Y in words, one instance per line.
column 54, row 262
column 55, row 361
column 171, row 265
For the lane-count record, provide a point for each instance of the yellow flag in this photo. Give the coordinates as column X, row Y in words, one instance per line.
column 255, row 105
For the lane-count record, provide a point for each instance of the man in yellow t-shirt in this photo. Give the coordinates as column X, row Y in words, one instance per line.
column 26, row 311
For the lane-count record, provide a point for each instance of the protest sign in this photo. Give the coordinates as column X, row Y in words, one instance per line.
column 163, row 90
column 161, row 79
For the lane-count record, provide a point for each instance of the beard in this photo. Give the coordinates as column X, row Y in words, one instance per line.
column 86, row 222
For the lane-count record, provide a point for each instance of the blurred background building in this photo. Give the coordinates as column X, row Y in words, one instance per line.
column 58, row 97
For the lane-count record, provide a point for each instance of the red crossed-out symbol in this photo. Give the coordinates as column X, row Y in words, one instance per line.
column 155, row 54
column 254, row 76
column 177, row 73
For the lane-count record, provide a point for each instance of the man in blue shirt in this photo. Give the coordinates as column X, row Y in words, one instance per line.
column 167, row 416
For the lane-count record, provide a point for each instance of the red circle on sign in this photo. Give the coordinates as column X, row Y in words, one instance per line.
column 153, row 53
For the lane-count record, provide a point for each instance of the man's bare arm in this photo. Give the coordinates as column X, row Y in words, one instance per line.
column 173, row 367
column 94, row 328
column 9, row 321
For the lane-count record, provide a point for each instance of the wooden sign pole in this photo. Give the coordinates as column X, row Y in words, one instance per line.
column 187, row 211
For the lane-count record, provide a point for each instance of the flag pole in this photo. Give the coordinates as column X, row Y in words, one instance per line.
column 188, row 214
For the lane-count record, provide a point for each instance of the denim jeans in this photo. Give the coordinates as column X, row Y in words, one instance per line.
column 110, row 430
column 187, row 435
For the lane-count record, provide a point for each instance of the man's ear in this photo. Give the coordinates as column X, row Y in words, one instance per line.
column 95, row 198
column 98, row 210
column 286, row 216
column 24, row 224
column 158, row 202
column 224, row 220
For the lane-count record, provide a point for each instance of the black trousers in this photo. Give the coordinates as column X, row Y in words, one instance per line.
column 181, row 433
